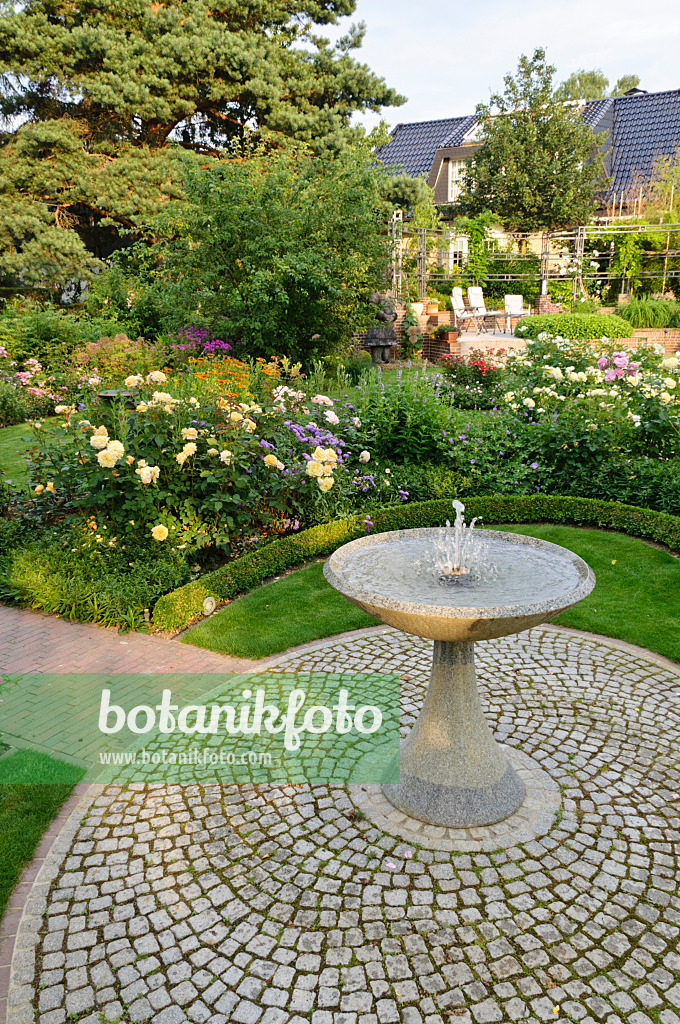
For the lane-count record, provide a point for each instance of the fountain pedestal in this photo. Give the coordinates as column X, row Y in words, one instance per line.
column 453, row 772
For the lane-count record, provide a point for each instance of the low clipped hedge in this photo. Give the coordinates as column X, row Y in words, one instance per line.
column 175, row 610
column 576, row 326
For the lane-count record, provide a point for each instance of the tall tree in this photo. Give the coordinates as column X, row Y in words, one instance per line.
column 593, row 85
column 101, row 98
column 205, row 71
column 537, row 166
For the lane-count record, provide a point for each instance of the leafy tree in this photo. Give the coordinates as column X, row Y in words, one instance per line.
column 593, row 85
column 278, row 251
column 537, row 166
column 114, row 101
column 625, row 84
column 583, row 85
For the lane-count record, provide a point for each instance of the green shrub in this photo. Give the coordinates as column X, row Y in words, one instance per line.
column 174, row 611
column 47, row 333
column 13, row 405
column 648, row 313
column 575, row 326
column 109, row 586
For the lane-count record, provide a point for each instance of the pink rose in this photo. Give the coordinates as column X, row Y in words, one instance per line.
column 602, row 363
column 609, row 376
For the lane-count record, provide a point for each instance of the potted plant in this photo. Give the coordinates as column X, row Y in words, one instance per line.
column 432, row 305
column 417, row 308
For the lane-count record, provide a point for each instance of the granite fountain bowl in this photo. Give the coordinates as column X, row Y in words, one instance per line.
column 452, row 771
column 533, row 581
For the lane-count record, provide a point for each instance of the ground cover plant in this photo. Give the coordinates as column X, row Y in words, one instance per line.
column 294, row 610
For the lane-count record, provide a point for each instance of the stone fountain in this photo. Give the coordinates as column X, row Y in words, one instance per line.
column 455, row 585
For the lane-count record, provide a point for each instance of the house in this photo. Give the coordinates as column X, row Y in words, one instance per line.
column 640, row 127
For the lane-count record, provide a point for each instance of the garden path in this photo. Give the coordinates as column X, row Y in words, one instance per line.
column 291, row 904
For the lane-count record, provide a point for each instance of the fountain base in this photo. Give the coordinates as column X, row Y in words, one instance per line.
column 452, row 771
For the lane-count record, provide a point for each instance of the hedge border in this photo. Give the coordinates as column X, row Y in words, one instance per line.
column 174, row 611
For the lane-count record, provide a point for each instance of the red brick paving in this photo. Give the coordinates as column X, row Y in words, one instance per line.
column 33, row 642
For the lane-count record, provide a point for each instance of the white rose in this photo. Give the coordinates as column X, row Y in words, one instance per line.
column 365, row 456
column 331, row 418
column 156, row 377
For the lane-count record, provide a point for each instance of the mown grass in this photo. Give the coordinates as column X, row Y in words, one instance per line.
column 33, row 788
column 637, row 594
column 294, row 610
column 636, row 598
column 15, row 444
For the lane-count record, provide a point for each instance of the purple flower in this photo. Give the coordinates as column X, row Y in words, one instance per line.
column 472, row 461
column 265, row 444
column 534, row 465
column 368, row 523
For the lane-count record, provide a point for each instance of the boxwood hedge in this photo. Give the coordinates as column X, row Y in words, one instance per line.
column 175, row 610
column 577, row 326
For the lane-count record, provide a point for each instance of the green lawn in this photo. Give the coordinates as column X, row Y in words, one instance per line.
column 637, row 598
column 290, row 611
column 28, row 803
column 637, row 594
column 14, row 443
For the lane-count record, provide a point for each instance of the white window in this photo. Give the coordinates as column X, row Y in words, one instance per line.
column 457, row 170
column 458, row 252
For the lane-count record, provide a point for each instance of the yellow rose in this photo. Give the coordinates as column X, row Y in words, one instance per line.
column 270, row 460
column 225, row 456
column 314, row 468
column 117, row 448
column 159, row 532
column 40, row 488
column 189, row 448
column 142, row 407
column 325, row 483
column 213, row 451
column 330, row 455
column 189, row 433
column 107, row 458
column 669, row 382
column 236, row 417
column 319, row 453
column 51, row 488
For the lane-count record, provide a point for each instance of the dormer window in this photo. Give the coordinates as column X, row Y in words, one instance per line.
column 457, row 170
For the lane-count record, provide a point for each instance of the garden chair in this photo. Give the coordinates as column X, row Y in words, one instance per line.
column 476, row 299
column 514, row 308
column 461, row 315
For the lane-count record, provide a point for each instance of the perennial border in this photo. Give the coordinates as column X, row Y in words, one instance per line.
column 174, row 611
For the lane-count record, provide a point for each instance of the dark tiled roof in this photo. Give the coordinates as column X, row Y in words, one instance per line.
column 412, row 146
column 640, row 127
column 645, row 126
column 594, row 111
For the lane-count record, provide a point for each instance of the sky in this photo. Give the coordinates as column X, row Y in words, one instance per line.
column 448, row 57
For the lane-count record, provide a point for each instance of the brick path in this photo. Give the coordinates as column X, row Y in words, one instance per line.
column 263, row 905
column 31, row 642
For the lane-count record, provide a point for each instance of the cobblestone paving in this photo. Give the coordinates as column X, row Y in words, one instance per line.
column 267, row 906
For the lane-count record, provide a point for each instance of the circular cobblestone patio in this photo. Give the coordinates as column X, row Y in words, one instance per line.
column 263, row 905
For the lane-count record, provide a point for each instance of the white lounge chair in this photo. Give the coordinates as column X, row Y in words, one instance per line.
column 514, row 307
column 476, row 299
column 461, row 314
